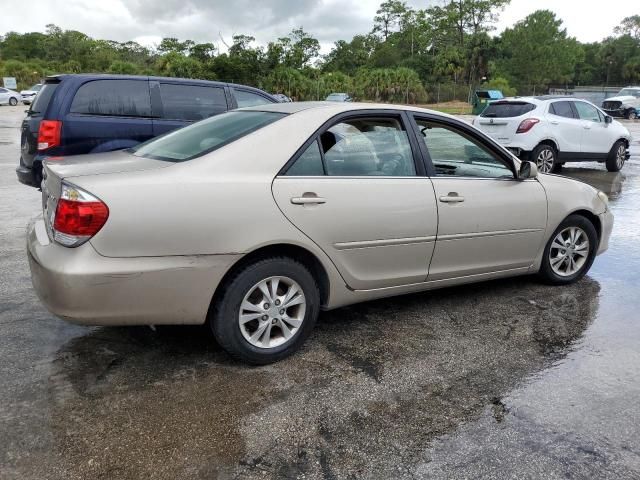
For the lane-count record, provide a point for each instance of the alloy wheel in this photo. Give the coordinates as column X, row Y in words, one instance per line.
column 272, row 312
column 569, row 251
column 621, row 155
column 544, row 161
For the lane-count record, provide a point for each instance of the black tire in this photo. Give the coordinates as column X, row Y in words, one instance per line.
column 631, row 114
column 13, row 101
column 557, row 167
column 224, row 314
column 547, row 273
column 614, row 163
column 542, row 152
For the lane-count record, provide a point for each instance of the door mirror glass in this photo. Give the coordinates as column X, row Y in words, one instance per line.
column 608, row 119
column 527, row 170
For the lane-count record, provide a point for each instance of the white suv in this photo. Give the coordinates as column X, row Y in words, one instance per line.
column 551, row 130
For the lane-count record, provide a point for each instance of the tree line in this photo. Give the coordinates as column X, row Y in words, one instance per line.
column 409, row 55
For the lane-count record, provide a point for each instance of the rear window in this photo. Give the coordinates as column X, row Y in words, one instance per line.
column 43, row 98
column 205, row 136
column 507, row 109
column 191, row 102
column 117, row 98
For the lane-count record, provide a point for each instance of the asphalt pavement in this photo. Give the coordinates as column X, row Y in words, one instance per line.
column 503, row 379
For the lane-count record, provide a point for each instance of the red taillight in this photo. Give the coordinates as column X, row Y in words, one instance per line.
column 79, row 216
column 49, row 134
column 81, row 219
column 526, row 125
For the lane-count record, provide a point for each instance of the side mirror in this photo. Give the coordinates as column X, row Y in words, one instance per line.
column 608, row 119
column 527, row 170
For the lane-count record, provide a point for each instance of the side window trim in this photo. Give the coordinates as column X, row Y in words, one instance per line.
column 400, row 115
column 460, row 127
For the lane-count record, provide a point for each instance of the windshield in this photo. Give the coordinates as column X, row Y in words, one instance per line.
column 205, row 136
column 336, row 96
column 43, row 98
column 629, row 92
column 36, row 88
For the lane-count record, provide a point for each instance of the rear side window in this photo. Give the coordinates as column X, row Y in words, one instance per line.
column 561, row 109
column 249, row 99
column 205, row 136
column 507, row 109
column 43, row 98
column 118, row 98
column 191, row 102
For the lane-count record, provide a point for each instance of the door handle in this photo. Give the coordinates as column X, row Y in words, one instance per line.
column 553, row 122
column 587, row 127
column 452, row 197
column 308, row 200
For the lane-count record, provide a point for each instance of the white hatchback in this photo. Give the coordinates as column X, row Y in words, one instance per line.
column 551, row 131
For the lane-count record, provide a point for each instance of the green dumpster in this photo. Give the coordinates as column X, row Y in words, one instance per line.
column 482, row 98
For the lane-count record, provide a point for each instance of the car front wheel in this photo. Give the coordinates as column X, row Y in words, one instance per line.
column 13, row 101
column 266, row 310
column 631, row 114
column 570, row 251
column 617, row 156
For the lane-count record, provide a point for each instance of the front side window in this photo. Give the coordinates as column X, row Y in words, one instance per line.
column 367, row 147
column 587, row 112
column 205, row 136
column 249, row 99
column 561, row 109
column 118, row 98
column 191, row 102
column 456, row 154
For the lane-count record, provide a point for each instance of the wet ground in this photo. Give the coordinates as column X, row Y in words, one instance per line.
column 506, row 379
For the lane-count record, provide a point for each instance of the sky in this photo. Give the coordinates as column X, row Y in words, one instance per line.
column 216, row 21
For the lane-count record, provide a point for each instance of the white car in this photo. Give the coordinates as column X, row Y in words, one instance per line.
column 9, row 97
column 551, row 131
column 30, row 94
column 625, row 104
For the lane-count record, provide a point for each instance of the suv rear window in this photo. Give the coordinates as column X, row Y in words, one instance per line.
column 191, row 102
column 117, row 98
column 43, row 98
column 205, row 136
column 507, row 109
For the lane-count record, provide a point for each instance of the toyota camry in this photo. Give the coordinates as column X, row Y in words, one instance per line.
column 255, row 220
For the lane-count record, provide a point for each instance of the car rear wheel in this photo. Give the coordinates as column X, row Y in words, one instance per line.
column 266, row 310
column 13, row 101
column 617, row 156
column 546, row 158
column 570, row 251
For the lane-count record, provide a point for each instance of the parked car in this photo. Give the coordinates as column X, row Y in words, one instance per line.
column 625, row 104
column 339, row 97
column 281, row 97
column 8, row 97
column 76, row 114
column 551, row 131
column 28, row 95
column 255, row 220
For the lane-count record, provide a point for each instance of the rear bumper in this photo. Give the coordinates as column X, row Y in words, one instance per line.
column 606, row 224
column 81, row 286
column 25, row 175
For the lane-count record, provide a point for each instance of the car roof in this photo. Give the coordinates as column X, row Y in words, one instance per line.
column 339, row 107
column 110, row 76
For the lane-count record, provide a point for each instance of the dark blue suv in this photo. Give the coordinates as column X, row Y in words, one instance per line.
column 75, row 114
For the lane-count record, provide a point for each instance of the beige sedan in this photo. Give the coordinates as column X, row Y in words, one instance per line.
column 254, row 220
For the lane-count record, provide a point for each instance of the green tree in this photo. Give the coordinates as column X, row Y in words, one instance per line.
column 629, row 26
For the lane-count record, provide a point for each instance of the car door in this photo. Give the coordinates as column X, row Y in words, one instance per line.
column 565, row 126
column 357, row 190
column 595, row 136
column 181, row 104
column 488, row 220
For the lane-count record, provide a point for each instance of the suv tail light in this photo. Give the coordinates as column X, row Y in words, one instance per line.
column 79, row 216
column 526, row 125
column 49, row 134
